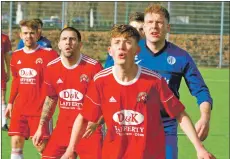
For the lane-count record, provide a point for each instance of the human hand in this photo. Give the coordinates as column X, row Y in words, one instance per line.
column 37, row 138
column 7, row 76
column 69, row 154
column 204, row 154
column 8, row 112
column 202, row 128
column 91, row 127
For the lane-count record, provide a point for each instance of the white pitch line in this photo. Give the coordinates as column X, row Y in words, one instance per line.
column 211, row 80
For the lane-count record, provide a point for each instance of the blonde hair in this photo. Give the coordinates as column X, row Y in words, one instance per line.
column 29, row 23
column 157, row 8
column 126, row 31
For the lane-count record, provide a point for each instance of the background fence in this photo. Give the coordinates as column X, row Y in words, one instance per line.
column 201, row 28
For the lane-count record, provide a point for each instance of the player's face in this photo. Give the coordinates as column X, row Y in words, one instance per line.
column 69, row 44
column 155, row 27
column 123, row 50
column 29, row 36
column 139, row 27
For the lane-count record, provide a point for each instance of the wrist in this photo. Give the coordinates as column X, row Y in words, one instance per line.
column 199, row 146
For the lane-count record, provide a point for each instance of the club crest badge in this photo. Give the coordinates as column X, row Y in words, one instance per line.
column 39, row 60
column 142, row 97
column 171, row 60
column 84, row 78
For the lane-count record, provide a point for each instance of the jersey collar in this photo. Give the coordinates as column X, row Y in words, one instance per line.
column 159, row 52
column 127, row 83
column 74, row 66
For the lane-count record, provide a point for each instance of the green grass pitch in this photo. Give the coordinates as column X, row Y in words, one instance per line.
column 218, row 139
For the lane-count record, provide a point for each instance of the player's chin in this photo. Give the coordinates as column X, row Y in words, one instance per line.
column 120, row 61
column 68, row 55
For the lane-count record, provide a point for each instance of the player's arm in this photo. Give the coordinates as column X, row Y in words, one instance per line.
column 199, row 89
column 78, row 128
column 47, row 112
column 175, row 109
column 91, row 127
column 91, row 112
column 188, row 128
column 7, row 58
column 14, row 87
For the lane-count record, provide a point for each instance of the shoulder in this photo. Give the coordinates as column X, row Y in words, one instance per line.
column 89, row 60
column 152, row 74
column 54, row 62
column 5, row 38
column 103, row 74
column 45, row 50
column 18, row 51
column 176, row 50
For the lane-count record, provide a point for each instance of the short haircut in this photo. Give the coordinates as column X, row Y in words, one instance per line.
column 29, row 23
column 72, row 29
column 136, row 16
column 39, row 21
column 126, row 31
column 157, row 8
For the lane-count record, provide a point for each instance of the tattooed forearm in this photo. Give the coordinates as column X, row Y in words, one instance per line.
column 47, row 109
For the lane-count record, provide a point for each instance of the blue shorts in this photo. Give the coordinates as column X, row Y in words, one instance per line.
column 171, row 147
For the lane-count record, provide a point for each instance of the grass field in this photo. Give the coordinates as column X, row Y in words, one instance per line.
column 218, row 139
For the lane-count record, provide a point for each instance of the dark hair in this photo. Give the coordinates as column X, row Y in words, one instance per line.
column 124, row 31
column 38, row 21
column 136, row 16
column 72, row 29
column 157, row 8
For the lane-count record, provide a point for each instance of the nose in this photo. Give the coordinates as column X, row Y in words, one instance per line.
column 68, row 41
column 122, row 45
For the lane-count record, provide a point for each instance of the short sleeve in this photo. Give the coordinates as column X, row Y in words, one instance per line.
column 49, row 88
column 169, row 101
column 92, row 103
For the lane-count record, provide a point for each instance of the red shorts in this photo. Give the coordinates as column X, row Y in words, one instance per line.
column 87, row 148
column 3, row 85
column 26, row 126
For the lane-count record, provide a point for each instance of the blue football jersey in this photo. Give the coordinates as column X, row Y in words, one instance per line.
column 43, row 41
column 173, row 63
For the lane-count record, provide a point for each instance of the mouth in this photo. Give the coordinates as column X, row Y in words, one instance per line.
column 68, row 49
column 121, row 56
column 155, row 34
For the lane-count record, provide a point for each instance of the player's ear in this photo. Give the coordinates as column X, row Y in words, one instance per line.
column 80, row 45
column 110, row 51
column 168, row 28
column 59, row 45
column 20, row 34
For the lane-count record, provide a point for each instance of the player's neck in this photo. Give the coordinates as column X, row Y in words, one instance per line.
column 155, row 47
column 29, row 48
column 71, row 61
column 125, row 73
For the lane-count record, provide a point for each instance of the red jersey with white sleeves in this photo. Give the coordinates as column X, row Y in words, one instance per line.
column 132, row 113
column 28, row 75
column 69, row 85
column 5, row 48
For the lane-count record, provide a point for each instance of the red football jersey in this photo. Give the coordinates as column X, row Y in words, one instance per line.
column 69, row 85
column 28, row 75
column 5, row 48
column 132, row 113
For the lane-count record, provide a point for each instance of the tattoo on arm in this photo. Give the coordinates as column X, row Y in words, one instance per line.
column 47, row 109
